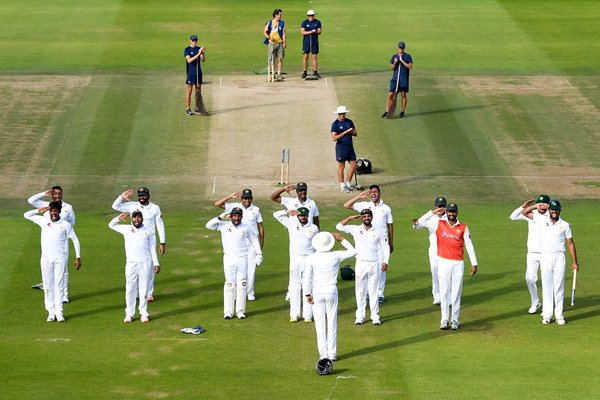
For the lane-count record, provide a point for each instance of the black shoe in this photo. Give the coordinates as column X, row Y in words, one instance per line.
column 317, row 75
column 384, row 115
column 402, row 114
column 304, row 75
column 189, row 112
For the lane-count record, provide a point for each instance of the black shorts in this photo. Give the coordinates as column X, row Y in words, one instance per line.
column 344, row 153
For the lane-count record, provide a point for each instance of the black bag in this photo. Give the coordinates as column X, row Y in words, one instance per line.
column 363, row 166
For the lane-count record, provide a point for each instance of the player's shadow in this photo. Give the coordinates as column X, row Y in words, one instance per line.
column 446, row 110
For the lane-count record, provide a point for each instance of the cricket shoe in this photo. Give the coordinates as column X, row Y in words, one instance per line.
column 376, row 322
column 359, row 321
column 316, row 74
column 287, row 296
column 228, row 316
column 546, row 321
column 402, row 114
column 241, row 315
column 65, row 301
column 444, row 325
column 454, row 325
column 534, row 307
column 60, row 318
column 144, row 319
column 150, row 299
column 189, row 112
column 304, row 75
column 251, row 297
column 294, row 319
column 201, row 112
column 381, row 299
column 384, row 115
column 561, row 322
column 436, row 301
column 51, row 318
column 344, row 189
column 128, row 319
column 308, row 320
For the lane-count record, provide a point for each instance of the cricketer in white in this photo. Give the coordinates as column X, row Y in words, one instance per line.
column 141, row 255
column 152, row 220
column 300, row 231
column 369, row 241
column 66, row 214
column 54, row 241
column 235, row 237
column 320, row 286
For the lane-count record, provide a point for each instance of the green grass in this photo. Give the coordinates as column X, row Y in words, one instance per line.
column 477, row 147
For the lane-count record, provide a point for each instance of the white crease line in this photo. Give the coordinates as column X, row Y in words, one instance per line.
column 524, row 185
column 54, row 340
column 181, row 340
column 326, row 84
column 214, row 184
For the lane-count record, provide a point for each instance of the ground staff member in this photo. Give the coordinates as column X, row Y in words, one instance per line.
column 320, row 283
column 452, row 237
column 66, row 214
column 342, row 130
column 534, row 245
column 382, row 221
column 140, row 252
column 369, row 242
column 275, row 38
column 439, row 213
column 236, row 238
column 555, row 232
column 253, row 218
column 193, row 55
column 403, row 61
column 54, row 240
column 153, row 222
column 310, row 29
column 300, row 231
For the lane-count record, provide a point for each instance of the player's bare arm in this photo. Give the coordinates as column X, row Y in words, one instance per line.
column 42, row 210
column 276, row 196
column 573, row 251
column 363, row 195
column 391, row 236
column 221, row 202
column 123, row 216
column 125, row 195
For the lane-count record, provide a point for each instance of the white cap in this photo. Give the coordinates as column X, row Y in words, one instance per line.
column 341, row 110
column 323, row 241
column 310, row 12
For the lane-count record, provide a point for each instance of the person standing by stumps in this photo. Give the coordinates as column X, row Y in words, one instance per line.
column 342, row 131
column 399, row 81
column 193, row 56
column 310, row 31
column 275, row 38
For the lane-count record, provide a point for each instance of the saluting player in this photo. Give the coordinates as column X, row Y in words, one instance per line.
column 236, row 238
column 452, row 238
column 140, row 251
column 301, row 200
column 555, row 232
column 368, row 241
column 300, row 231
column 534, row 245
column 152, row 221
column 66, row 214
column 320, row 286
column 54, row 240
column 253, row 218
column 382, row 221
column 440, row 213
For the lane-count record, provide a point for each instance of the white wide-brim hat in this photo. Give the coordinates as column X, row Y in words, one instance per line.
column 310, row 12
column 323, row 241
column 341, row 110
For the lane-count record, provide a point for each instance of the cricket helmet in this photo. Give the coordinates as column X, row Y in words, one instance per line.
column 347, row 273
column 324, row 366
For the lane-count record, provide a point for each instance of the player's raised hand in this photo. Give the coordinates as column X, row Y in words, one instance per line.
column 235, row 195
column 289, row 188
column 338, row 237
column 293, row 213
column 123, row 216
column 125, row 195
column 49, row 193
column 42, row 210
column 364, row 194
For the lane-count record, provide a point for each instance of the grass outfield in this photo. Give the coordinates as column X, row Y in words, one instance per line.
column 503, row 105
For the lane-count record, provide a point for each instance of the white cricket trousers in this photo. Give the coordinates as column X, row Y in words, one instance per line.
column 553, row 284
column 151, row 273
column 236, row 270
column 531, row 275
column 450, row 274
column 382, row 274
column 297, row 264
column 367, row 281
column 66, row 274
column 251, row 276
column 435, row 280
column 53, row 273
column 136, row 285
column 325, row 312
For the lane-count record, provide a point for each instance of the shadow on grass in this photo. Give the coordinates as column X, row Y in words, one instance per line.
column 446, row 110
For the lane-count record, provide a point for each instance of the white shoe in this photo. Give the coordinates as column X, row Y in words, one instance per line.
column 444, row 325
column 534, row 307
column 546, row 321
column 454, row 325
column 359, row 321
column 436, row 300
column 344, row 189
column 251, row 297
column 287, row 296
column 60, row 318
column 51, row 318
column 241, row 315
column 376, row 322
column 128, row 319
column 308, row 320
column 561, row 321
column 294, row 319
column 144, row 319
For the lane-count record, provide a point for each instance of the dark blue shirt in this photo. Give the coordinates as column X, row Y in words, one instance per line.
column 341, row 126
column 404, row 72
column 309, row 26
column 192, row 51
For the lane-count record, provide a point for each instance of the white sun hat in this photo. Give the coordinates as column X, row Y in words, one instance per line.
column 323, row 241
column 310, row 12
column 341, row 110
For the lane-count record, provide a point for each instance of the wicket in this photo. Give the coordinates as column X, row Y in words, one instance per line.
column 284, row 176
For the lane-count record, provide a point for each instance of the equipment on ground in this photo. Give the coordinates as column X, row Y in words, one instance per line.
column 573, row 289
column 392, row 109
column 324, row 366
column 347, row 273
column 284, row 176
column 364, row 166
column 270, row 68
